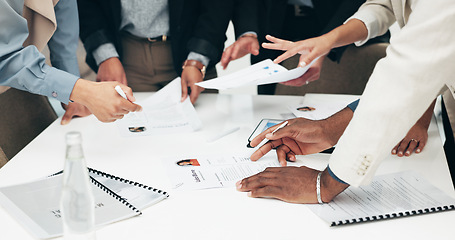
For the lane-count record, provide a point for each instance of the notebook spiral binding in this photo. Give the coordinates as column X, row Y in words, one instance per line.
column 394, row 215
column 128, row 181
column 105, row 189
column 116, row 196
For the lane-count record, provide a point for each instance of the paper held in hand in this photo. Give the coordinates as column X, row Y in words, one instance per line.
column 163, row 113
column 264, row 72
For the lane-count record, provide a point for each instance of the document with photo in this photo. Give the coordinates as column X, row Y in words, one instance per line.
column 321, row 106
column 264, row 72
column 214, row 171
column 163, row 113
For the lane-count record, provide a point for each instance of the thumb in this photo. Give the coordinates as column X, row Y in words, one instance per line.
column 254, row 49
column 226, row 57
column 128, row 92
column 184, row 90
column 281, row 133
column 306, row 59
column 66, row 118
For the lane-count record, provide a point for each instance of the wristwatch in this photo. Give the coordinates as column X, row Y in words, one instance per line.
column 196, row 64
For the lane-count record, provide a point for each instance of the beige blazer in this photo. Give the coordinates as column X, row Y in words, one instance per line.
column 41, row 22
column 418, row 64
column 389, row 12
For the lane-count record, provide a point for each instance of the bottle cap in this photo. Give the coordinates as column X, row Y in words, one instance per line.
column 73, row 138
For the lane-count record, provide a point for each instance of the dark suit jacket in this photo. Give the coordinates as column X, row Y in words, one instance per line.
column 276, row 18
column 195, row 25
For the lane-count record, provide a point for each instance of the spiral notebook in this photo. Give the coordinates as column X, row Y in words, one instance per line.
column 36, row 205
column 388, row 196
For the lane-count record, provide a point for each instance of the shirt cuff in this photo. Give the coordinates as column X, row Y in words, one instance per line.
column 59, row 84
column 367, row 21
column 334, row 176
column 353, row 105
column 247, row 33
column 198, row 57
column 104, row 52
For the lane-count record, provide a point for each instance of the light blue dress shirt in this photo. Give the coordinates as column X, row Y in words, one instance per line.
column 143, row 18
column 24, row 67
column 64, row 42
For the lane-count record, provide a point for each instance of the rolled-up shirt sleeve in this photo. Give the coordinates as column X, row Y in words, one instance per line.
column 25, row 68
column 377, row 15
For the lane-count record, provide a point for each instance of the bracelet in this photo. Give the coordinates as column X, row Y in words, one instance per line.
column 318, row 188
column 249, row 35
column 196, row 64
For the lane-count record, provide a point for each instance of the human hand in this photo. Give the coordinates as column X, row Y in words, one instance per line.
column 73, row 110
column 291, row 184
column 415, row 140
column 302, row 136
column 240, row 48
column 299, row 137
column 309, row 49
column 111, row 70
column 417, row 136
column 190, row 76
column 313, row 74
column 103, row 100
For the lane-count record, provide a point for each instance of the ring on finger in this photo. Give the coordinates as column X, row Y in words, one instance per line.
column 414, row 140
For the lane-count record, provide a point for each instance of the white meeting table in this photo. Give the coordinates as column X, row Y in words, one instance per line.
column 221, row 213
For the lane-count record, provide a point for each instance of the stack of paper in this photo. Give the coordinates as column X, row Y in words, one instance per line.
column 163, row 113
column 388, row 196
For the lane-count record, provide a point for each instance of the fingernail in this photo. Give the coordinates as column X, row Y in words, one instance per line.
column 238, row 184
column 408, row 152
column 302, row 64
column 292, row 158
column 394, row 151
column 64, row 122
column 418, row 150
column 249, row 194
column 268, row 135
column 400, row 153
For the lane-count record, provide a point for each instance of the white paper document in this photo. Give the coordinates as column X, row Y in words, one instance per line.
column 321, row 106
column 264, row 72
column 162, row 113
column 388, row 196
column 138, row 195
column 214, row 171
column 36, row 206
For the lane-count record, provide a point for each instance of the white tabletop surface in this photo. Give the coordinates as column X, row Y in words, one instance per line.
column 221, row 213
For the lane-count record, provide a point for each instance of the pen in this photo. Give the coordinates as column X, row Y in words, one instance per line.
column 122, row 93
column 223, row 134
column 265, row 140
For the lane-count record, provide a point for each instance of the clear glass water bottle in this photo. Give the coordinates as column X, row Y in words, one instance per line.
column 77, row 202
